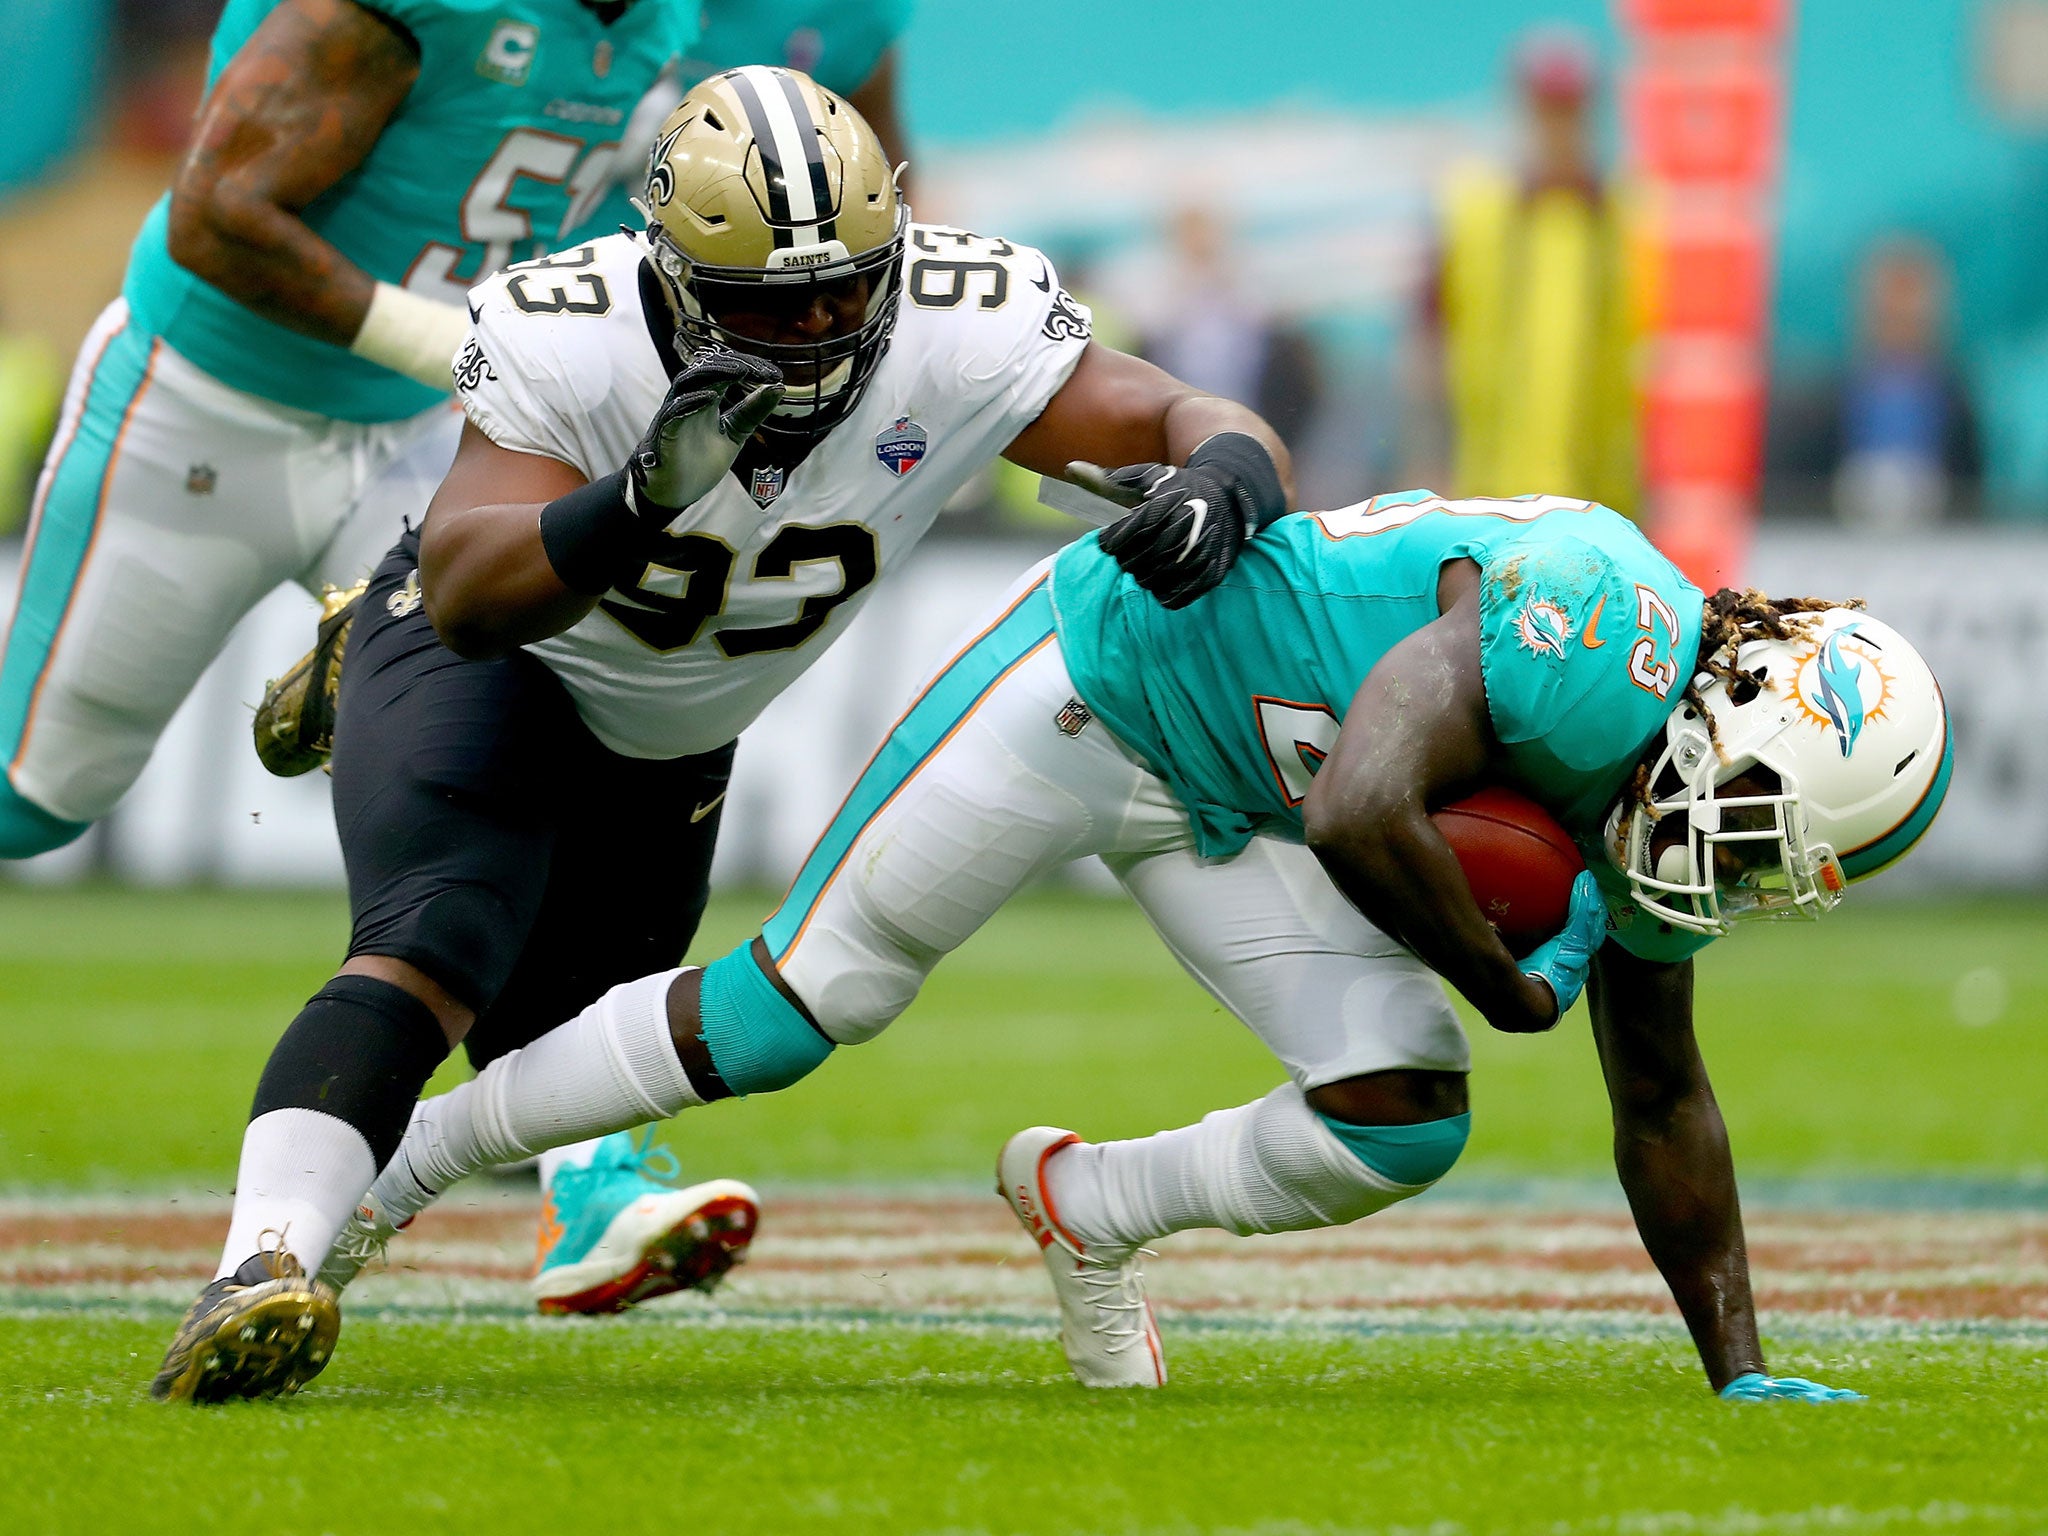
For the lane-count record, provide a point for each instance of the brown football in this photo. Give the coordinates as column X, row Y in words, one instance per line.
column 1518, row 861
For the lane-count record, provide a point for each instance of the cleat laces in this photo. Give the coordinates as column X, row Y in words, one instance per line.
column 1118, row 1288
column 361, row 1243
column 654, row 1161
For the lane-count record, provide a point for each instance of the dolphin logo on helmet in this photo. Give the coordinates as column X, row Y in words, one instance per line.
column 1838, row 687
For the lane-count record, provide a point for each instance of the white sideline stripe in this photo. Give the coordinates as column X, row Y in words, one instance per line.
column 955, row 1260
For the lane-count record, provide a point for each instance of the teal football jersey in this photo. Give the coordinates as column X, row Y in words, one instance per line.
column 1587, row 635
column 837, row 43
column 505, row 147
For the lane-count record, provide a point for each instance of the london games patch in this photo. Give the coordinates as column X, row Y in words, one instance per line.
column 901, row 447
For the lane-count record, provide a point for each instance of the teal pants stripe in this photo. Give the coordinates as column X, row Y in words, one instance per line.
column 928, row 724
column 63, row 533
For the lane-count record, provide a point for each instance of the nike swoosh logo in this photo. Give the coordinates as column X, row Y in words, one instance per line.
column 1592, row 636
column 1200, row 508
column 1043, row 282
column 475, row 314
column 707, row 808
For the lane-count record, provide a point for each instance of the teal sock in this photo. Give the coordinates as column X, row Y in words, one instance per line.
column 1406, row 1154
column 759, row 1041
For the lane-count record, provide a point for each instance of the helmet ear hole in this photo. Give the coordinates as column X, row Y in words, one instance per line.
column 1744, row 687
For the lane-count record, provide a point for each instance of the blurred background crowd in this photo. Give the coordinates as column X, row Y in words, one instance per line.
column 1759, row 272
column 1424, row 240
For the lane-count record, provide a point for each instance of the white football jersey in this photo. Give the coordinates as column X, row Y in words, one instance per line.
column 563, row 360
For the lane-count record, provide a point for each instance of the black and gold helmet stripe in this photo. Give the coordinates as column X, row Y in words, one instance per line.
column 800, row 208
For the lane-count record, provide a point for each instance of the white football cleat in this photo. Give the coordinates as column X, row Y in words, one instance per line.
column 362, row 1238
column 1106, row 1324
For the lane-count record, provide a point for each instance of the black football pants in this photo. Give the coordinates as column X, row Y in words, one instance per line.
column 491, row 840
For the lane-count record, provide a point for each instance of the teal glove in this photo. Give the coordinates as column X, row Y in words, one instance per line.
column 1561, row 963
column 1756, row 1387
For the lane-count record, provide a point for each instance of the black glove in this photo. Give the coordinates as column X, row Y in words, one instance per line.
column 712, row 407
column 1189, row 522
column 598, row 535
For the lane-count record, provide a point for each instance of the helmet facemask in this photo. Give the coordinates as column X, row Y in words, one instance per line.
column 775, row 224
column 825, row 377
column 1741, row 851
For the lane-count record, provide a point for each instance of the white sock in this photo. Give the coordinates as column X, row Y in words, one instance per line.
column 301, row 1175
column 576, row 1155
column 610, row 1068
column 1268, row 1166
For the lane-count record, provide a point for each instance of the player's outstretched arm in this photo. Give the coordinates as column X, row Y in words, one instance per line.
column 1671, row 1151
column 1202, row 474
column 294, row 111
column 1418, row 736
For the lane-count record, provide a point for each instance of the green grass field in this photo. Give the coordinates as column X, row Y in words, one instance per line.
column 1900, row 1051
column 135, row 1024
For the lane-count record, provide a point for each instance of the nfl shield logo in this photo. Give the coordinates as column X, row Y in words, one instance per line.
column 766, row 484
column 901, row 447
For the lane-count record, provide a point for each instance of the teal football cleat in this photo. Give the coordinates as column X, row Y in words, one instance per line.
column 618, row 1232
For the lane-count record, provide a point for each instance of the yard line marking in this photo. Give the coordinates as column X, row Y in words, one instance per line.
column 942, row 1259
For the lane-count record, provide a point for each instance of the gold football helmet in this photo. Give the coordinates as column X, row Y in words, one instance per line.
column 776, row 226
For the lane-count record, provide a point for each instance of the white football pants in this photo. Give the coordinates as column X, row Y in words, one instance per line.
column 169, row 505
column 996, row 775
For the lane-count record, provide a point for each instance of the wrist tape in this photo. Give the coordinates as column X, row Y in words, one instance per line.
column 413, row 335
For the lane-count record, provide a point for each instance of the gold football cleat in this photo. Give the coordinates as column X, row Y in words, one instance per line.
column 295, row 722
column 264, row 1331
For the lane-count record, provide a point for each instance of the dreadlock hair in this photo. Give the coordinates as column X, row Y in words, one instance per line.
column 1731, row 618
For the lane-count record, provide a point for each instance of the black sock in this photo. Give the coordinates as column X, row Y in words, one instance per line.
column 360, row 1050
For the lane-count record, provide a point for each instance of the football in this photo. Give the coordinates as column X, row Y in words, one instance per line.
column 1518, row 861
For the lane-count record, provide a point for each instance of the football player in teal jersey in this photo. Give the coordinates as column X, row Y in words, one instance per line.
column 1255, row 758
column 268, row 399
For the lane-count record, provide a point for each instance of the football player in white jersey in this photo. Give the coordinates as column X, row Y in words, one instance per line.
column 688, row 457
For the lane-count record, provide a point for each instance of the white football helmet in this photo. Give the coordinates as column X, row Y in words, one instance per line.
column 1851, row 722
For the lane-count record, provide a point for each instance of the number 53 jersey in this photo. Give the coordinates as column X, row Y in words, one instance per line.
column 569, row 356
column 504, row 147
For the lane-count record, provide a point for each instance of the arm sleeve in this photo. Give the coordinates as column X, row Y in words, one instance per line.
column 1536, row 599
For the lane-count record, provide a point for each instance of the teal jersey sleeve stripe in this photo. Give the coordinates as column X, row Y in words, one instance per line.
column 927, row 725
column 65, row 526
column 1895, row 844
